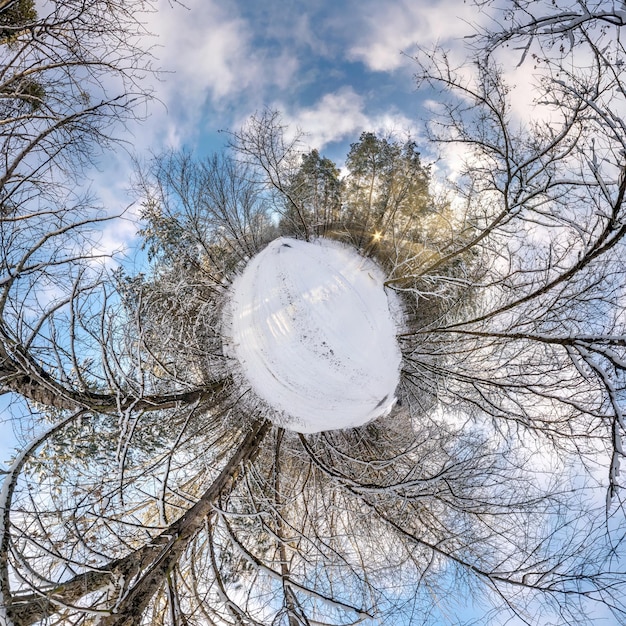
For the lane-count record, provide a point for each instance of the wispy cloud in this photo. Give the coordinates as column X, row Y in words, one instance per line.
column 387, row 30
column 205, row 51
column 342, row 115
column 332, row 118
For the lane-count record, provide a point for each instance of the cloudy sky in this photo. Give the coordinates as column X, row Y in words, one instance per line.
column 333, row 69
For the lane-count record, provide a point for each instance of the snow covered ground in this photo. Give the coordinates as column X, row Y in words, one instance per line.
column 310, row 326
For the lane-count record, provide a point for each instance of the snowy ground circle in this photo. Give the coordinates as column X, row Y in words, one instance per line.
column 310, row 328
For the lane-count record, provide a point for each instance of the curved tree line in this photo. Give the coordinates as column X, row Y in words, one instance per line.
column 154, row 489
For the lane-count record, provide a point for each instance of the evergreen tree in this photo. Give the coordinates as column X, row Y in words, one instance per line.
column 156, row 491
column 14, row 16
column 387, row 189
column 315, row 197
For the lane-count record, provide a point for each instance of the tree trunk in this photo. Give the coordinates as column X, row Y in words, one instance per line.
column 153, row 562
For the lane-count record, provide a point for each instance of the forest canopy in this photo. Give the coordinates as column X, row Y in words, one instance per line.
column 157, row 488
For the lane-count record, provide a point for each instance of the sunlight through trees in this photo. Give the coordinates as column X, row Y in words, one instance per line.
column 155, row 490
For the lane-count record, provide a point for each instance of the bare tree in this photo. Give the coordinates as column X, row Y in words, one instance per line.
column 155, row 491
column 547, row 209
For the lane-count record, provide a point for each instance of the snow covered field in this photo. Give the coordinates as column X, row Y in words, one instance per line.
column 310, row 326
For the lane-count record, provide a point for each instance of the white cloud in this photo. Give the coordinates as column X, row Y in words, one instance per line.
column 333, row 117
column 117, row 237
column 211, row 62
column 390, row 29
column 205, row 47
column 340, row 115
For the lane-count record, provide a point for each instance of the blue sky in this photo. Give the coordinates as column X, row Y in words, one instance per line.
column 333, row 69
